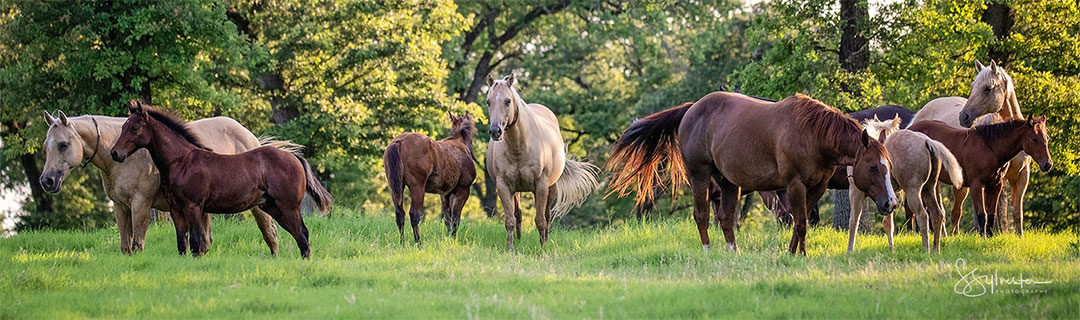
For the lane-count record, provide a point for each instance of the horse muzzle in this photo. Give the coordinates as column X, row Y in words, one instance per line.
column 887, row 207
column 50, row 182
column 966, row 120
column 1045, row 167
column 118, row 157
column 495, row 132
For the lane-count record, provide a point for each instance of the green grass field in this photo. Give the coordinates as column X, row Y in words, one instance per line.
column 650, row 270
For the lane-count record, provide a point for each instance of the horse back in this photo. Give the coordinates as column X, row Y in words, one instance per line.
column 224, row 135
column 239, row 181
column 735, row 133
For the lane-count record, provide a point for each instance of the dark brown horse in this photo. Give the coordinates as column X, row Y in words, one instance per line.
column 736, row 141
column 443, row 167
column 195, row 180
column 983, row 152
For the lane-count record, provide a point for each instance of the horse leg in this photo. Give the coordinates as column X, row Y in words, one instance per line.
column 797, row 194
column 993, row 194
column 288, row 215
column 932, row 201
column 959, row 195
column 196, row 229
column 416, row 209
column 208, row 236
column 517, row 215
column 922, row 218
column 268, row 229
column 979, row 204
column 180, row 222
column 507, row 199
column 729, row 208
column 699, row 185
column 399, row 217
column 856, row 197
column 140, row 222
column 1018, row 186
column 123, row 223
column 460, row 197
column 541, row 194
column 447, row 215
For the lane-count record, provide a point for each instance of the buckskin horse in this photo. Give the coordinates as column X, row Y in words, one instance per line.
column 736, row 141
column 443, row 167
column 134, row 186
column 196, row 180
column 983, row 152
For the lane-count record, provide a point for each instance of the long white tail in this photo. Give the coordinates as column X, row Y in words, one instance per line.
column 948, row 161
column 284, row 145
column 577, row 181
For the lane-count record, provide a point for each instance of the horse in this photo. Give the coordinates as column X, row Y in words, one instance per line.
column 196, row 180
column 918, row 162
column 992, row 93
column 133, row 186
column 983, row 152
column 526, row 154
column 727, row 141
column 443, row 167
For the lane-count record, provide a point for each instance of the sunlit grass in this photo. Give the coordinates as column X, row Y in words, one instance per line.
column 637, row 270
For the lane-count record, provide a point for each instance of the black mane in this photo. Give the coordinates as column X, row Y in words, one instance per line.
column 175, row 124
column 992, row 132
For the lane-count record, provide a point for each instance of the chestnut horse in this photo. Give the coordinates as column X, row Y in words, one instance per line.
column 918, row 162
column 526, row 154
column 992, row 93
column 983, row 152
column 443, row 167
column 196, row 180
column 728, row 141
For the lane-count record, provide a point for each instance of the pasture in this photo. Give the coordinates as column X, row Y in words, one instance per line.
column 636, row 270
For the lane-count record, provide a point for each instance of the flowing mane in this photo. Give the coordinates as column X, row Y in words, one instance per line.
column 823, row 121
column 992, row 132
column 175, row 124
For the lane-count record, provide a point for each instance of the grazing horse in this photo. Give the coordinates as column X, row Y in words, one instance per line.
column 993, row 93
column 918, row 161
column 443, row 167
column 983, row 152
column 727, row 141
column 196, row 180
column 134, row 185
column 526, row 154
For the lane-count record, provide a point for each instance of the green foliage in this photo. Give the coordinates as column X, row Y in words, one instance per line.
column 654, row 270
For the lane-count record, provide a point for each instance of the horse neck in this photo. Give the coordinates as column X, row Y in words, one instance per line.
column 102, row 137
column 517, row 135
column 1010, row 109
column 1005, row 146
column 846, row 149
column 166, row 147
column 465, row 140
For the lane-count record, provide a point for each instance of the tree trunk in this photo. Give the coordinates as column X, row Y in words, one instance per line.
column 1001, row 18
column 854, row 47
column 842, row 209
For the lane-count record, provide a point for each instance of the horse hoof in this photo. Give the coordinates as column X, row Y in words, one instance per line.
column 706, row 247
column 733, row 247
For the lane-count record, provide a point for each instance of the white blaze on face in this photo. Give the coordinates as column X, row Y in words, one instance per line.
column 888, row 179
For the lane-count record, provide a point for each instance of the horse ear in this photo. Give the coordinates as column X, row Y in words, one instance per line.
column 896, row 121
column 865, row 138
column 510, row 79
column 979, row 66
column 134, row 106
column 490, row 80
column 993, row 66
column 63, row 117
column 49, row 118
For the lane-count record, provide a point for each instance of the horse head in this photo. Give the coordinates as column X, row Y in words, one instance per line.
column 871, row 173
column 134, row 135
column 503, row 103
column 64, row 149
column 989, row 93
column 1035, row 142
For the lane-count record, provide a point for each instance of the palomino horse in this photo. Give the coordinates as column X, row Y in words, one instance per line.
column 737, row 142
column 918, row 161
column 443, row 167
column 526, row 154
column 983, row 152
column 196, row 180
column 992, row 92
column 134, row 184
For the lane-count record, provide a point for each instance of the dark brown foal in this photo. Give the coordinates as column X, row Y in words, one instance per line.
column 443, row 167
column 983, row 153
column 196, row 180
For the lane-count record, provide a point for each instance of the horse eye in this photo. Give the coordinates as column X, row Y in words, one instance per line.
column 62, row 146
column 987, row 89
column 873, row 168
column 507, row 101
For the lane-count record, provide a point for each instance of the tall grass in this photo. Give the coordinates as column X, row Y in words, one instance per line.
column 651, row 270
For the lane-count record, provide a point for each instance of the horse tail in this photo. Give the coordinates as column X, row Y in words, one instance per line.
column 393, row 166
column 637, row 156
column 577, row 181
column 315, row 189
column 948, row 161
column 283, row 145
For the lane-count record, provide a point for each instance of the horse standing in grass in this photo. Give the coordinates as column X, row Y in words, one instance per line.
column 443, row 167
column 196, row 180
column 983, row 152
column 728, row 141
column 134, row 185
column 526, row 154
column 992, row 93
column 918, row 162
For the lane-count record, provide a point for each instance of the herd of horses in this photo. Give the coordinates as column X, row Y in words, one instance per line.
column 723, row 145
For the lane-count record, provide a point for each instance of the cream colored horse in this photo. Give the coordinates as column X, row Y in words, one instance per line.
column 133, row 185
column 917, row 161
column 992, row 93
column 526, row 154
